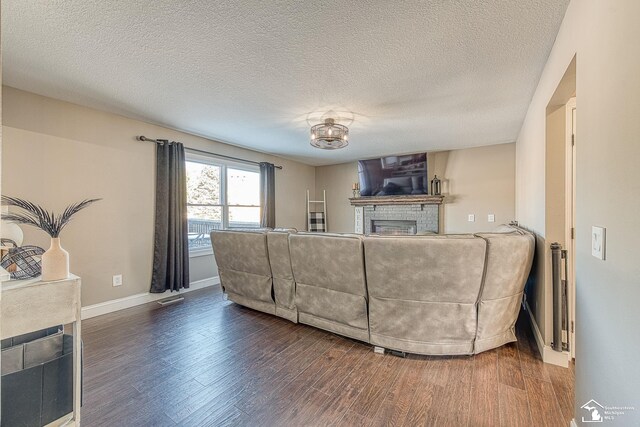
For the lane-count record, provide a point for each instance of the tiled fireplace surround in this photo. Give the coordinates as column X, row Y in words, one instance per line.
column 425, row 217
column 416, row 214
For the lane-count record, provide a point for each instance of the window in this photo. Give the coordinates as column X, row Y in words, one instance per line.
column 219, row 195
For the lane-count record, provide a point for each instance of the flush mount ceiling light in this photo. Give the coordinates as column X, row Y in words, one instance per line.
column 329, row 135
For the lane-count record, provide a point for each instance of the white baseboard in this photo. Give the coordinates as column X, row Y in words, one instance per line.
column 549, row 355
column 138, row 299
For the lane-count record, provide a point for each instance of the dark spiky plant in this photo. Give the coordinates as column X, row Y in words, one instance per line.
column 38, row 217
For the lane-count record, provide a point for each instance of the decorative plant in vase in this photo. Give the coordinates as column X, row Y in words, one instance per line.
column 55, row 261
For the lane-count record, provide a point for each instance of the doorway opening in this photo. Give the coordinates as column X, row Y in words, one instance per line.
column 560, row 185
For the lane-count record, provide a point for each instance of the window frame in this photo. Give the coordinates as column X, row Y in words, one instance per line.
column 224, row 165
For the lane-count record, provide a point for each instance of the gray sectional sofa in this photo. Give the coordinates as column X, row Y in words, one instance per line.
column 436, row 295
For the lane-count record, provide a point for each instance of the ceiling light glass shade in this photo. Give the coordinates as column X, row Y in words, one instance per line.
column 329, row 135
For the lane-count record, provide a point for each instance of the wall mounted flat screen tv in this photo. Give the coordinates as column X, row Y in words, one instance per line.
column 393, row 175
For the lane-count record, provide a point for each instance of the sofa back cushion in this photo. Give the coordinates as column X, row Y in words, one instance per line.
column 509, row 258
column 243, row 263
column 332, row 261
column 504, row 229
column 423, row 291
column 280, row 260
column 425, row 268
column 330, row 282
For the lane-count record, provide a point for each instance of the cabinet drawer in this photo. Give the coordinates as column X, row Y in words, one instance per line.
column 39, row 306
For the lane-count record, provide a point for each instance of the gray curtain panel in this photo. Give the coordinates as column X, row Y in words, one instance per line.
column 267, row 195
column 171, row 246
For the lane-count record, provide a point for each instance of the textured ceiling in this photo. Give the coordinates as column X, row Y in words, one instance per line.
column 413, row 75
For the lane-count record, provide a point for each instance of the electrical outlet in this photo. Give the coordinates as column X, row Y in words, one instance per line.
column 491, row 218
column 598, row 242
column 117, row 280
column 472, row 218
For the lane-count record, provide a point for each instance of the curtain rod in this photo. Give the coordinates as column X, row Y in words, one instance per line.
column 163, row 141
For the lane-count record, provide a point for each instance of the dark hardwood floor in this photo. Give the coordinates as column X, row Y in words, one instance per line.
column 207, row 361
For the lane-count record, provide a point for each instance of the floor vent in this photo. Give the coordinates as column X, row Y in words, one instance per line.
column 172, row 300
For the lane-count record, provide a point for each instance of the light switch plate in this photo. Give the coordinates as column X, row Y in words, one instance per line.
column 491, row 218
column 598, row 242
column 472, row 218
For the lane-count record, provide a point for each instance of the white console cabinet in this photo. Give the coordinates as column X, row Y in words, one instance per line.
column 32, row 305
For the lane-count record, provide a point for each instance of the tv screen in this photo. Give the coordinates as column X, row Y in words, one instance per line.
column 393, row 175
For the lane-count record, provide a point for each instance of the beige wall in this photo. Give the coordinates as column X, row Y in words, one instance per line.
column 475, row 181
column 337, row 181
column 602, row 35
column 55, row 153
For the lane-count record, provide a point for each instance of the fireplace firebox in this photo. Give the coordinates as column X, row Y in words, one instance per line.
column 393, row 227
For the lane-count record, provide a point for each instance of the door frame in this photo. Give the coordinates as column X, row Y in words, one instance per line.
column 570, row 218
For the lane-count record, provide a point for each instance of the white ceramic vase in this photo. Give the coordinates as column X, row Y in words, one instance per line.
column 55, row 262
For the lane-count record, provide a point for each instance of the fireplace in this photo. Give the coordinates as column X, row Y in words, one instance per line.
column 413, row 214
column 400, row 219
column 381, row 226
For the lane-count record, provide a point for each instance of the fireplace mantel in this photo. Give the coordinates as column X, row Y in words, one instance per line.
column 417, row 199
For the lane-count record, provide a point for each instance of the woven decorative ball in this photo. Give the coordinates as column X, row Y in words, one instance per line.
column 23, row 262
column 8, row 242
